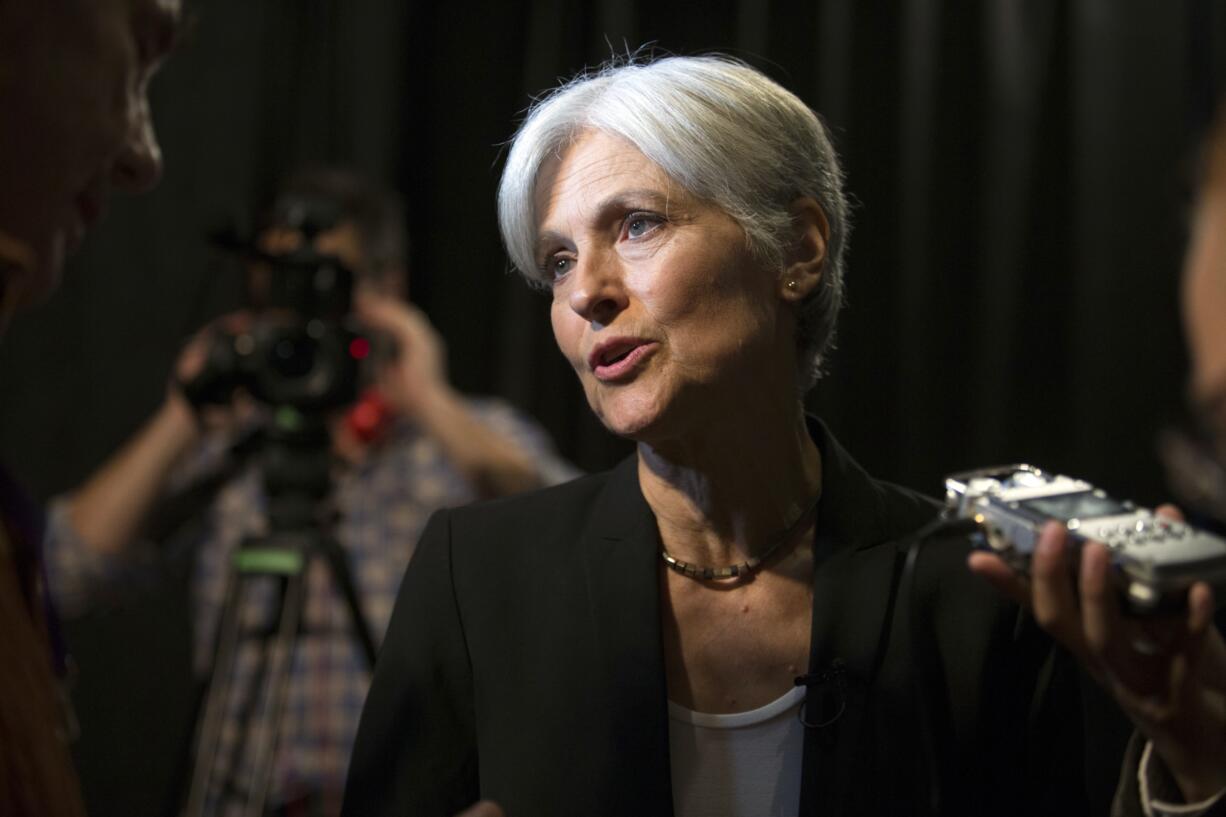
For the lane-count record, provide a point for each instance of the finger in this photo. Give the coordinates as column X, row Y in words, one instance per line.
column 416, row 322
column 373, row 310
column 1200, row 608
column 1191, row 655
column 1203, row 644
column 1099, row 613
column 1055, row 604
column 389, row 379
column 1003, row 578
column 1135, row 651
column 191, row 359
column 1169, row 511
column 195, row 352
column 379, row 312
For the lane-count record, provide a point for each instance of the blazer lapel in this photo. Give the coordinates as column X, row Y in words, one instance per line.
column 620, row 547
column 854, row 585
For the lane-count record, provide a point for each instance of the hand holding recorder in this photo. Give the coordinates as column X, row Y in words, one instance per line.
column 1136, row 609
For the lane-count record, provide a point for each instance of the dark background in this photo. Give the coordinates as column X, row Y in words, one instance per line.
column 1021, row 169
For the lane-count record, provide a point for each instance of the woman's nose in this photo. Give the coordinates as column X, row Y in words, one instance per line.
column 598, row 292
column 139, row 165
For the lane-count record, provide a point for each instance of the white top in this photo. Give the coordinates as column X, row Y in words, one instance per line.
column 746, row 764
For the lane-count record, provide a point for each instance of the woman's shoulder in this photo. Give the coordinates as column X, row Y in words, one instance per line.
column 524, row 557
column 565, row 499
column 904, row 509
column 557, row 514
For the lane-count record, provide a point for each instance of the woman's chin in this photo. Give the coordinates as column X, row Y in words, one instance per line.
column 650, row 417
column 631, row 422
column 630, row 429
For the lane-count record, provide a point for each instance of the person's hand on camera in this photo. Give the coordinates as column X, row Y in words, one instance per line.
column 415, row 383
column 1168, row 673
column 190, row 364
column 415, row 378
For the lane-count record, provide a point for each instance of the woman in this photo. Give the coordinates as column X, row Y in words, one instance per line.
column 643, row 641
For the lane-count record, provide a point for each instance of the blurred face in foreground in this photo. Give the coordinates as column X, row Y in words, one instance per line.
column 1196, row 463
column 74, row 77
column 658, row 302
column 1205, row 286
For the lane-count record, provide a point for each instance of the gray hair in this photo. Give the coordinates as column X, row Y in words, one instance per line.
column 726, row 133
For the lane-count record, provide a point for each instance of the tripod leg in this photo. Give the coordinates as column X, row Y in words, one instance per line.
column 343, row 579
column 240, row 718
column 280, row 668
column 208, row 738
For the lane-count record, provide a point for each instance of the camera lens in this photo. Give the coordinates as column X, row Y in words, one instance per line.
column 293, row 355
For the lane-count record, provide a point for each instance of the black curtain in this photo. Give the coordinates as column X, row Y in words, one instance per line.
column 1021, row 171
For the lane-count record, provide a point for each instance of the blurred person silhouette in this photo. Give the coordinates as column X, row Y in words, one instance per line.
column 74, row 78
column 411, row 446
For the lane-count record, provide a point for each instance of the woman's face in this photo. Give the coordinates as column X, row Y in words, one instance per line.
column 658, row 303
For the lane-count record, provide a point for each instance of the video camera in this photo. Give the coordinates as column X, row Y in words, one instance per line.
column 302, row 350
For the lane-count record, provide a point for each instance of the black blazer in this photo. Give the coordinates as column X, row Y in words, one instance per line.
column 523, row 664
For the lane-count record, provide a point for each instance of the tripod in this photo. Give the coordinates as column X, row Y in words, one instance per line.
column 295, row 465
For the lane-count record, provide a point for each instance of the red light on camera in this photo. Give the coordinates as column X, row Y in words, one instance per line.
column 371, row 417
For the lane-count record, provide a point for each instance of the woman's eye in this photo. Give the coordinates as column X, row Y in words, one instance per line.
column 558, row 266
column 640, row 224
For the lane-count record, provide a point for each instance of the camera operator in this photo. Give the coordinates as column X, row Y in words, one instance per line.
column 1168, row 675
column 437, row 449
column 76, row 122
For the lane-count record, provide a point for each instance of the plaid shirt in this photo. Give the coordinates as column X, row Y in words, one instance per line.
column 384, row 504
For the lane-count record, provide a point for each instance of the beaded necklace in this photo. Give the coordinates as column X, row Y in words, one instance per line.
column 747, row 567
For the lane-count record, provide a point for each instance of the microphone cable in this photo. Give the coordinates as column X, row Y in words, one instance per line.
column 943, row 526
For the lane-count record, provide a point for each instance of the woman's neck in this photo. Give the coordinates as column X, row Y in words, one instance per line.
column 725, row 491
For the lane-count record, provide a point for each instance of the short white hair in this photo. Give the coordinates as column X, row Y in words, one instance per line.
column 723, row 131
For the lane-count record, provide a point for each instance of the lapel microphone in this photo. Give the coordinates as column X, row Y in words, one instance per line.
column 830, row 686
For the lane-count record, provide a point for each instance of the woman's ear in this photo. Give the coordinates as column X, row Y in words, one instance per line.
column 806, row 261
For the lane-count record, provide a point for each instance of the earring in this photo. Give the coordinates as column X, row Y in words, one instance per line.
column 791, row 284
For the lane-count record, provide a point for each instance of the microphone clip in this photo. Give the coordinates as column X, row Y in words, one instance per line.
column 832, row 681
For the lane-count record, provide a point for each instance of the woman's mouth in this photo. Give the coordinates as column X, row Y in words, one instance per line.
column 620, row 358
